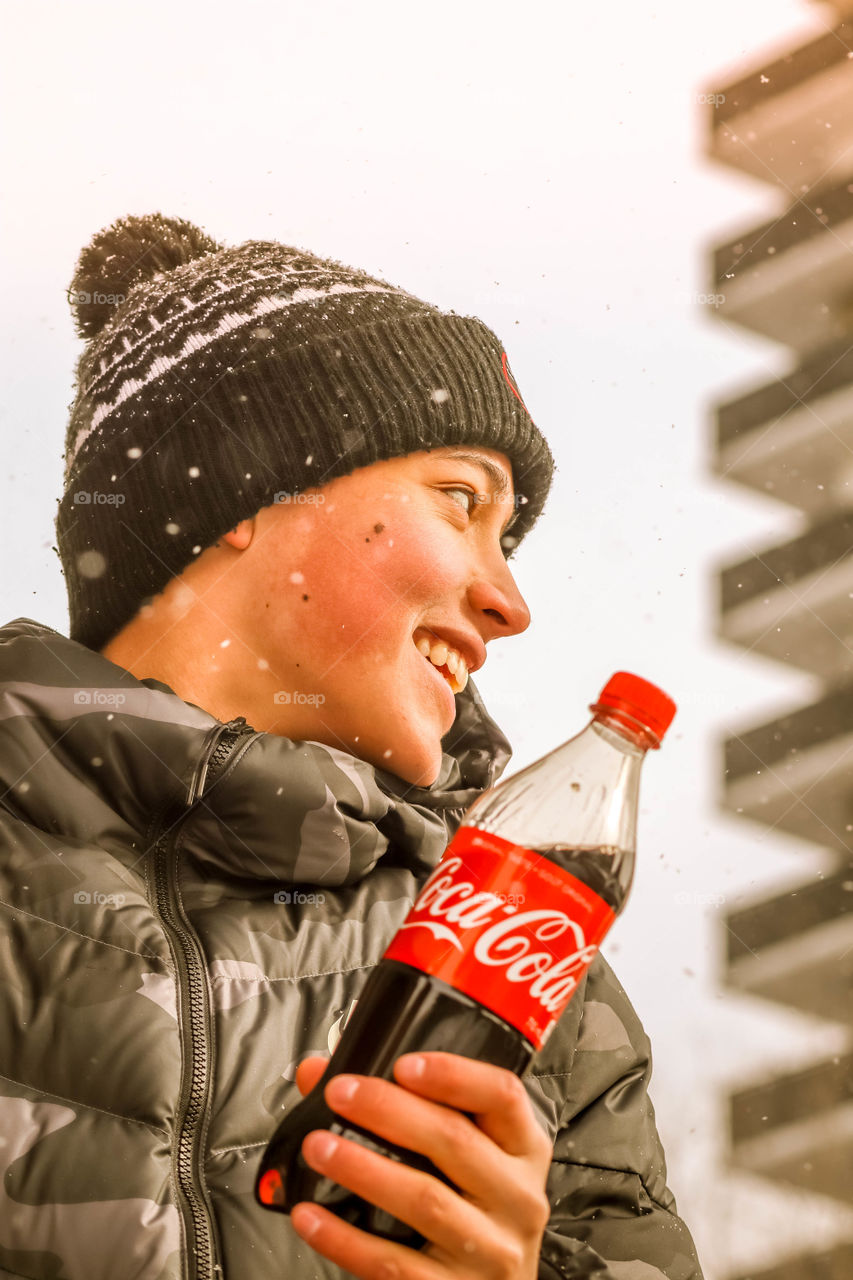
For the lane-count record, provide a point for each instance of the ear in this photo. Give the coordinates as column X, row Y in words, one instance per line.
column 241, row 535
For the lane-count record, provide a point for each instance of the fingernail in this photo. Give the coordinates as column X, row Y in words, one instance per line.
column 342, row 1089
column 413, row 1066
column 323, row 1146
column 305, row 1220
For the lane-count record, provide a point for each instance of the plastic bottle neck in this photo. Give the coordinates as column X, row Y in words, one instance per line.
column 623, row 731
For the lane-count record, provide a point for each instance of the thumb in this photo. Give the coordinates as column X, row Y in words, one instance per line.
column 308, row 1073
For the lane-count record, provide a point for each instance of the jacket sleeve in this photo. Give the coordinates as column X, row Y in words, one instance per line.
column 612, row 1215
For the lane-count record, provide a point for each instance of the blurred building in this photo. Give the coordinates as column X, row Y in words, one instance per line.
column 789, row 123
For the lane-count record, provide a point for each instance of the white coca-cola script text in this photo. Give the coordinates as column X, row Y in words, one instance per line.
column 552, row 975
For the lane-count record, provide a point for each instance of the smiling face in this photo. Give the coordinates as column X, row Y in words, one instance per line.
column 304, row 618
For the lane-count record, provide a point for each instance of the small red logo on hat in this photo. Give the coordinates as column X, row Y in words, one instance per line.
column 511, row 383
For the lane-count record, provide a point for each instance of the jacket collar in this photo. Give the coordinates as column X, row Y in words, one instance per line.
column 89, row 752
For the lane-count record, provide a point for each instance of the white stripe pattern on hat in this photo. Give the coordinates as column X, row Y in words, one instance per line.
column 197, row 341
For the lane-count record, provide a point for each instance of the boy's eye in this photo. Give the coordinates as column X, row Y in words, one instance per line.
column 471, row 494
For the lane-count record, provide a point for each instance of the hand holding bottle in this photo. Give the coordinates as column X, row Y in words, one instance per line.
column 499, row 1160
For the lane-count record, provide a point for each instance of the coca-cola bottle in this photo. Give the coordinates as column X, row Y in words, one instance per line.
column 497, row 941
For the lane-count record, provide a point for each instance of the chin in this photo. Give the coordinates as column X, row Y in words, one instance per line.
column 420, row 770
column 423, row 777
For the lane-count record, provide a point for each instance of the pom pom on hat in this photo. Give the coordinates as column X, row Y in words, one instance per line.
column 131, row 250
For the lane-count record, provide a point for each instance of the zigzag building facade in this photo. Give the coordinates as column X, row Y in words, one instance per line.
column 789, row 277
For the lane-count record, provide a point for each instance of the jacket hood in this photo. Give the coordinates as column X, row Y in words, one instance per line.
column 92, row 754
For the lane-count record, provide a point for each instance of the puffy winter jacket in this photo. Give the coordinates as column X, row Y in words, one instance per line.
column 189, row 908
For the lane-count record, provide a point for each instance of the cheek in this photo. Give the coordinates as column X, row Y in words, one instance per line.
column 409, row 564
column 367, row 582
column 295, row 593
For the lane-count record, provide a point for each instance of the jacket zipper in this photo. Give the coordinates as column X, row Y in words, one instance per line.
column 203, row 1250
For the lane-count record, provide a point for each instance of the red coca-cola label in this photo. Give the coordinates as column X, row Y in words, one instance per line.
column 506, row 926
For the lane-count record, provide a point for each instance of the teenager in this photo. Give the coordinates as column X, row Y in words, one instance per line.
column 292, row 493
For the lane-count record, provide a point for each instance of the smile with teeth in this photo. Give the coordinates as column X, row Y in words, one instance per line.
column 449, row 661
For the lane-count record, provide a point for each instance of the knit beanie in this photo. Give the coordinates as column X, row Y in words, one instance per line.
column 216, row 381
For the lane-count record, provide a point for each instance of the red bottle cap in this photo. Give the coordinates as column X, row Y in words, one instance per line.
column 639, row 703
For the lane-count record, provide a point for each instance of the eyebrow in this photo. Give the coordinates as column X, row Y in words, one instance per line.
column 495, row 473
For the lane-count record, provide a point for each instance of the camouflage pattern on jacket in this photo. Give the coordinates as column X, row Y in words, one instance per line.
column 157, row 925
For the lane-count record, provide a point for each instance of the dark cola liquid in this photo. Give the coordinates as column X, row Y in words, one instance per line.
column 606, row 869
column 402, row 1010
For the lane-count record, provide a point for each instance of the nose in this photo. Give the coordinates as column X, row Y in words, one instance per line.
column 496, row 595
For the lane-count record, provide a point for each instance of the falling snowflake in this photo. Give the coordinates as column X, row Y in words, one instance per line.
column 173, row 528
column 91, row 564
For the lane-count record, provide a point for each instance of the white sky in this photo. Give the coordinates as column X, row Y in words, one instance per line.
column 540, row 168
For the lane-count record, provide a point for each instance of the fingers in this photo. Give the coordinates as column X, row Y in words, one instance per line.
column 308, row 1073
column 357, row 1253
column 496, row 1097
column 494, row 1180
column 457, row 1227
column 497, row 1155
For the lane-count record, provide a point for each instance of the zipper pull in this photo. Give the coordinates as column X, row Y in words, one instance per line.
column 216, row 751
